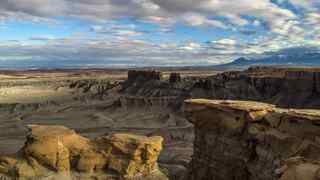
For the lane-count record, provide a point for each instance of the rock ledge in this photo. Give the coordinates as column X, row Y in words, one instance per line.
column 245, row 140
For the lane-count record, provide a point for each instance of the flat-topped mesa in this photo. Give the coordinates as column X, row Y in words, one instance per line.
column 133, row 75
column 58, row 152
column 245, row 140
column 285, row 87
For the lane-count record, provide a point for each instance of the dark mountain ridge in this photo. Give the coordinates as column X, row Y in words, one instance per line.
column 293, row 57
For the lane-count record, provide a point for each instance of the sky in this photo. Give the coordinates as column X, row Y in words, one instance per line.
column 130, row 33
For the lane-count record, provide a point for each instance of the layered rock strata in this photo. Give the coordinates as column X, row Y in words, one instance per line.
column 243, row 140
column 91, row 88
column 174, row 77
column 285, row 87
column 288, row 88
column 57, row 152
column 144, row 75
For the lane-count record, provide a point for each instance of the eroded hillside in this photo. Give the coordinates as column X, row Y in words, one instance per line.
column 95, row 104
column 149, row 103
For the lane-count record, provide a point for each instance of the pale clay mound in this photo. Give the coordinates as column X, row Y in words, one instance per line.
column 31, row 94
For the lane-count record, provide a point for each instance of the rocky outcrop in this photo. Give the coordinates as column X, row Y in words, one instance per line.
column 134, row 75
column 92, row 88
column 300, row 168
column 289, row 88
column 133, row 101
column 148, row 88
column 244, row 140
column 285, row 87
column 58, row 152
column 174, row 77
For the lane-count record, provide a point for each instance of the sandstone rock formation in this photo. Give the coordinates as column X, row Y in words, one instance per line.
column 244, row 140
column 92, row 88
column 174, row 78
column 133, row 75
column 147, row 104
column 56, row 152
column 286, row 87
column 150, row 87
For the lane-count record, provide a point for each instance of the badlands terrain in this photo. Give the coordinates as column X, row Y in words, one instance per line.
column 96, row 103
column 135, row 106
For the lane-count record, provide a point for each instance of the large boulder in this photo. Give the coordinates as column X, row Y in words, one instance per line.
column 54, row 146
column 132, row 154
column 56, row 151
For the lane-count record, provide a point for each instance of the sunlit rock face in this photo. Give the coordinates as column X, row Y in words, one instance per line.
column 243, row 140
column 59, row 153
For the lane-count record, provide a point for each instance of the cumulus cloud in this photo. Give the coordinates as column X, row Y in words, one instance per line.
column 107, row 52
column 306, row 4
column 226, row 42
column 42, row 38
column 164, row 12
column 152, row 10
column 312, row 18
column 101, row 52
column 117, row 30
column 270, row 24
column 200, row 20
column 190, row 46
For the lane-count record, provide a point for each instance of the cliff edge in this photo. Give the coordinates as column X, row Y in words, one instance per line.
column 245, row 140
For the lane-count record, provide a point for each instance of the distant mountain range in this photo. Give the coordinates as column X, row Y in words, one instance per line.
column 288, row 57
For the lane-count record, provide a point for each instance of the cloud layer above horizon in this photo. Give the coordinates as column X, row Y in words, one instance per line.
column 95, row 33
